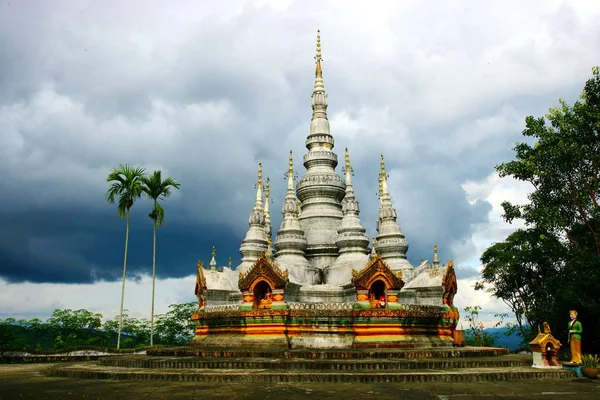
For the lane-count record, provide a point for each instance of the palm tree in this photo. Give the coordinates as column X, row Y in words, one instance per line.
column 156, row 189
column 126, row 188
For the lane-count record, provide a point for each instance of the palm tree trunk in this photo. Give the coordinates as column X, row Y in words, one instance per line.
column 123, row 283
column 153, row 284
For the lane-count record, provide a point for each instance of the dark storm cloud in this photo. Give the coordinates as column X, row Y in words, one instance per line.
column 205, row 92
column 75, row 247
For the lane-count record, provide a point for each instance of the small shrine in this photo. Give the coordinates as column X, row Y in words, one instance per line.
column 263, row 286
column 377, row 286
column 544, row 349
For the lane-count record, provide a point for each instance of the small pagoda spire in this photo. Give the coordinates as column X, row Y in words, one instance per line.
column 391, row 242
column 436, row 257
column 351, row 239
column 255, row 243
column 290, row 173
column 347, row 168
column 268, row 225
column 290, row 241
column 319, row 96
column 229, row 263
column 259, row 186
column 382, row 178
column 373, row 250
column 213, row 261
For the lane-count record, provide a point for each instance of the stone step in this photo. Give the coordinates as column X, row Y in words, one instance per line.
column 385, row 353
column 94, row 371
column 311, row 364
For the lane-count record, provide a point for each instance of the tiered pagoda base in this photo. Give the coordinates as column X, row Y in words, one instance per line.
column 326, row 326
column 268, row 365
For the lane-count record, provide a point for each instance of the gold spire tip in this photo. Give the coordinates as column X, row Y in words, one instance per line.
column 214, row 252
column 260, row 173
column 347, row 159
column 382, row 173
column 229, row 262
column 435, row 248
column 291, row 162
column 319, row 72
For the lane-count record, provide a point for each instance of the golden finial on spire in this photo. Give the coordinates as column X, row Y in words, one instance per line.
column 259, row 181
column 383, row 174
column 229, row 262
column 214, row 252
column 435, row 248
column 267, row 189
column 291, row 163
column 347, row 159
column 319, row 72
column 373, row 241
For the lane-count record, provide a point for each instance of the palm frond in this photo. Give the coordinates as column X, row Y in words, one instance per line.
column 126, row 187
column 155, row 188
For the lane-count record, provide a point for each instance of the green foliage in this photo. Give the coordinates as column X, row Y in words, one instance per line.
column 134, row 332
column 551, row 266
column 476, row 334
column 126, row 187
column 76, row 328
column 175, row 327
column 155, row 188
column 590, row 361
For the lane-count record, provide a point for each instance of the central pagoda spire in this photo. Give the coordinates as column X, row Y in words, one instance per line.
column 321, row 190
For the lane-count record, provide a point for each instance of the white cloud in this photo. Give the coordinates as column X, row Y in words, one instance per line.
column 28, row 300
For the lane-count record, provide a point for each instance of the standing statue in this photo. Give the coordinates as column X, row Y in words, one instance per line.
column 575, row 330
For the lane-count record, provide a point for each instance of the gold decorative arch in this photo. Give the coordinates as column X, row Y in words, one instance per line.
column 377, row 269
column 263, row 270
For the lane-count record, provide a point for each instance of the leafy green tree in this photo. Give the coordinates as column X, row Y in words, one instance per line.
column 156, row 189
column 175, row 328
column 10, row 334
column 135, row 332
column 553, row 264
column 74, row 328
column 126, row 188
column 525, row 272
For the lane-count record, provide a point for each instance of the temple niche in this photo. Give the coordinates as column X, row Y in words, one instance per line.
column 377, row 286
column 318, row 281
column 263, row 286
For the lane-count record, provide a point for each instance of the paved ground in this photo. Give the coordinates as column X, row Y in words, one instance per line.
column 27, row 381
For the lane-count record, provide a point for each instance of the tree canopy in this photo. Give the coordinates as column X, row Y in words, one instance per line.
column 553, row 264
column 68, row 328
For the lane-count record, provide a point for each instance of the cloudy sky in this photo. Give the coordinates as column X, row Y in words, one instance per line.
column 204, row 90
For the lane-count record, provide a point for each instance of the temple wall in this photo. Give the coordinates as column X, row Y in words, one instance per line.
column 425, row 296
column 327, row 326
column 223, row 297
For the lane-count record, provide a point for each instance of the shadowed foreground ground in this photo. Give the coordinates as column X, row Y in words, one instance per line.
column 27, row 381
